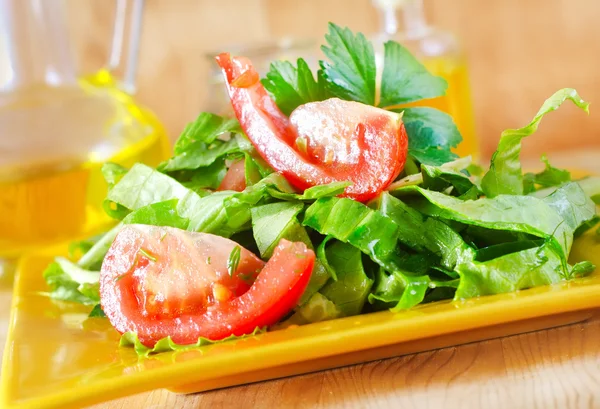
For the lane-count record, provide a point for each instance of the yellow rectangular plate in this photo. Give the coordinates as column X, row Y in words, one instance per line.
column 56, row 357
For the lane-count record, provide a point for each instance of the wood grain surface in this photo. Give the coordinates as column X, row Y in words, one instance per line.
column 519, row 53
column 552, row 369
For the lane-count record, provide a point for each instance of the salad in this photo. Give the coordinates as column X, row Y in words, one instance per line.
column 328, row 195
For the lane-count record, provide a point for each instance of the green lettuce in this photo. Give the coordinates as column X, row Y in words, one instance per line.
column 130, row 339
column 375, row 235
column 505, row 175
column 549, row 177
column 352, row 286
column 276, row 221
column 317, row 308
column 199, row 147
column 69, row 282
column 524, row 214
column 511, row 272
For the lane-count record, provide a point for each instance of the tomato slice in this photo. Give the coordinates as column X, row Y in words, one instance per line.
column 162, row 281
column 235, row 178
column 269, row 128
column 321, row 142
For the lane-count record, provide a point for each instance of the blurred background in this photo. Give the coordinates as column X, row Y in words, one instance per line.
column 518, row 52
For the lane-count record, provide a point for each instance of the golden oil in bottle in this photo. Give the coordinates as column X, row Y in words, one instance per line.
column 54, row 143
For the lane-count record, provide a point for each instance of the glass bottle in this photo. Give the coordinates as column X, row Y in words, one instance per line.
column 404, row 21
column 58, row 128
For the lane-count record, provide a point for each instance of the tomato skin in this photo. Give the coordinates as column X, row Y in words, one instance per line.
column 276, row 290
column 364, row 144
column 378, row 136
column 235, row 178
column 260, row 117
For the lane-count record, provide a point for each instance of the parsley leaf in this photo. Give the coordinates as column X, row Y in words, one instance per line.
column 291, row 87
column 234, row 260
column 351, row 74
column 432, row 156
column 405, row 79
column 431, row 135
column 97, row 312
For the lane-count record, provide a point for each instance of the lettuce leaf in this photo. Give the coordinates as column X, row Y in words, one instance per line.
column 424, row 234
column 312, row 193
column 130, row 339
column 439, row 179
column 320, row 276
column 143, row 186
column 351, row 289
column 572, row 204
column 523, row 214
column 159, row 214
column 198, row 145
column 207, row 177
column 375, row 235
column 69, row 282
column 276, row 221
column 449, row 171
column 353, row 222
column 256, row 168
column 505, row 175
column 205, row 156
column 550, row 176
column 112, row 173
column 515, row 271
column 205, row 129
column 317, row 308
column 399, row 292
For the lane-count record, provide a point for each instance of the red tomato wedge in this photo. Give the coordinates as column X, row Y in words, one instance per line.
column 235, row 178
column 163, row 281
column 321, row 142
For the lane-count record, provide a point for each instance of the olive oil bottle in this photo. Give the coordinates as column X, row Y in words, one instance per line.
column 58, row 128
column 404, row 21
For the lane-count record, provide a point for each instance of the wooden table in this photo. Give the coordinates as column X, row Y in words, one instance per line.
column 556, row 368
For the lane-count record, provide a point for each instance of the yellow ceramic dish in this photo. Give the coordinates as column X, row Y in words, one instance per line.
column 57, row 358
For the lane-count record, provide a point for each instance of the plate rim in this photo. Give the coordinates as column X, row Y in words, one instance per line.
column 578, row 294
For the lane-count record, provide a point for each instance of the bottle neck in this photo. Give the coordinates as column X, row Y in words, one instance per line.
column 405, row 17
column 35, row 44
